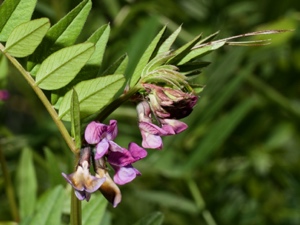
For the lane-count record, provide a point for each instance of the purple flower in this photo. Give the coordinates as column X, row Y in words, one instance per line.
column 173, row 126
column 167, row 105
column 102, row 135
column 81, row 180
column 121, row 162
column 151, row 133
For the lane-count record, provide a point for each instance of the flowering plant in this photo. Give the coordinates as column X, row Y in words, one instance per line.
column 160, row 87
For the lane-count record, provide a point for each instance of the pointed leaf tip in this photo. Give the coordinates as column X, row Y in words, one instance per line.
column 26, row 37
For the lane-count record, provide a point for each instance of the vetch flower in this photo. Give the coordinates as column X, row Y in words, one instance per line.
column 81, row 180
column 107, row 151
column 151, row 133
column 121, row 162
column 102, row 135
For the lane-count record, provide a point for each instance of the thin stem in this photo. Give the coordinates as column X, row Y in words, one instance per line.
column 64, row 132
column 200, row 202
column 9, row 188
column 76, row 217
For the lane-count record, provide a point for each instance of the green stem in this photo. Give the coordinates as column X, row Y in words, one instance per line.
column 61, row 127
column 200, row 202
column 9, row 188
column 75, row 210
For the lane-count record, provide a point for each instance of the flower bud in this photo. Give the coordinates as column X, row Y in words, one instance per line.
column 168, row 103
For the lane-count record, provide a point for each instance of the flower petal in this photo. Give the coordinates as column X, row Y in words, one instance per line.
column 120, row 158
column 92, row 184
column 151, row 141
column 81, row 195
column 112, row 130
column 136, row 151
column 101, row 148
column 173, row 126
column 152, row 128
column 124, row 175
column 92, row 132
column 114, row 147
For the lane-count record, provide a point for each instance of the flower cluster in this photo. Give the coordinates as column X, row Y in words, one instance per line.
column 101, row 137
column 164, row 106
column 159, row 110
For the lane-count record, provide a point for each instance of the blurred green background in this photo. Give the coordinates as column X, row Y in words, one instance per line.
column 239, row 160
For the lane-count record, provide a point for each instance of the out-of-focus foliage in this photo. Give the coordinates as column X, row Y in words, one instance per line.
column 239, row 161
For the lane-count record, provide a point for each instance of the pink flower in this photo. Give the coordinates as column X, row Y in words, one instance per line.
column 102, row 135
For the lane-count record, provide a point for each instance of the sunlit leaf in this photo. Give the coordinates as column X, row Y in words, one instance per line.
column 195, row 53
column 62, row 34
column 183, row 50
column 99, row 38
column 92, row 94
column 62, row 66
column 26, row 37
column 92, row 66
column 169, row 41
column 145, row 58
column 13, row 13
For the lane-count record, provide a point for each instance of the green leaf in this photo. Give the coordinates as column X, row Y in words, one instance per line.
column 26, row 184
column 169, row 41
column 3, row 68
column 54, row 172
column 91, row 68
column 26, row 37
column 145, row 58
column 49, row 207
column 183, row 51
column 118, row 67
column 201, row 51
column 13, row 13
column 92, row 94
column 64, row 33
column 61, row 67
column 155, row 218
column 75, row 119
column 93, row 211
column 99, row 38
